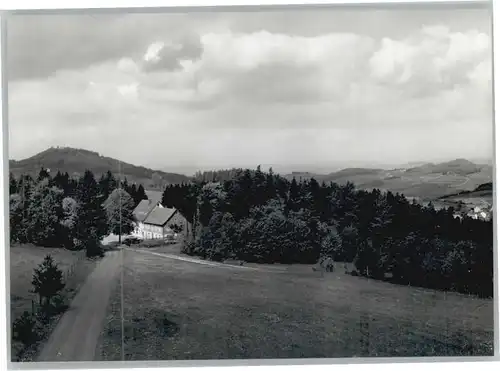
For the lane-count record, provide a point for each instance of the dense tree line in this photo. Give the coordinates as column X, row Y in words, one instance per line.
column 73, row 213
column 261, row 217
column 215, row 175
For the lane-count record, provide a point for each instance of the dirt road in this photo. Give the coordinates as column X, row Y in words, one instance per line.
column 76, row 335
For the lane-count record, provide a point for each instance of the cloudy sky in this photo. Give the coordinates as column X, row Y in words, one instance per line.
column 291, row 88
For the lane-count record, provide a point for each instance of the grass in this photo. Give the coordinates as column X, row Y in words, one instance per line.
column 175, row 310
column 23, row 260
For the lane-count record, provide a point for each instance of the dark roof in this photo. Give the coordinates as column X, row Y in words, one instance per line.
column 143, row 209
column 160, row 216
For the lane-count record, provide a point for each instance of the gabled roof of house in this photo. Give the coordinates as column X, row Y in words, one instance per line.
column 160, row 216
column 144, row 208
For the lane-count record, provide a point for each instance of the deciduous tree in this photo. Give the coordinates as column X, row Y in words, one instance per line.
column 119, row 210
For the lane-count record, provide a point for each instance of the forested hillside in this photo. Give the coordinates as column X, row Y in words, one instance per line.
column 262, row 217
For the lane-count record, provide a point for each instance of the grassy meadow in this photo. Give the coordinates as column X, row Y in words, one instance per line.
column 177, row 310
column 24, row 258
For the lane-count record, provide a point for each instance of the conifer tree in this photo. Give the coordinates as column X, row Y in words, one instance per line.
column 43, row 174
column 293, row 200
column 13, row 186
column 107, row 183
column 92, row 221
column 141, row 194
column 61, row 181
column 47, row 280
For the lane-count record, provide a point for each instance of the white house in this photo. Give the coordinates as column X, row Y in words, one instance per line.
column 153, row 221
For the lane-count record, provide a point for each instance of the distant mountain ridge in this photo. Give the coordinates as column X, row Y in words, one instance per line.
column 75, row 161
column 425, row 181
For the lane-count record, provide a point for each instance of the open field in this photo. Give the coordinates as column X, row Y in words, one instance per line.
column 23, row 260
column 477, row 198
column 181, row 310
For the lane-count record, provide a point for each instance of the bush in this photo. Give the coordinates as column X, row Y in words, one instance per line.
column 188, row 248
column 93, row 248
column 325, row 263
column 24, row 329
column 331, row 246
column 57, row 306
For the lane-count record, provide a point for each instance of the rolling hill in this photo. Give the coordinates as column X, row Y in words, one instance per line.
column 426, row 181
column 481, row 197
column 458, row 166
column 75, row 161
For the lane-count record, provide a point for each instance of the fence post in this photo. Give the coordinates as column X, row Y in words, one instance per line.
column 32, row 306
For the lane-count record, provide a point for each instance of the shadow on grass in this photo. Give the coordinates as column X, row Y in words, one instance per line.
column 149, row 331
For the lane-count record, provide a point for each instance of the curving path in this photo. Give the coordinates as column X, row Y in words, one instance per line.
column 77, row 332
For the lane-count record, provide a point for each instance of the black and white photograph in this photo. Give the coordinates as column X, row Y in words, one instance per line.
column 310, row 182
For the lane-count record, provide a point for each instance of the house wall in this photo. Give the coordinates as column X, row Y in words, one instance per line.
column 153, row 231
column 149, row 231
column 138, row 229
column 178, row 219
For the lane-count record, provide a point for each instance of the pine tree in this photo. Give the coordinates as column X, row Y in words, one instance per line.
column 13, row 186
column 141, row 194
column 43, row 174
column 259, row 187
column 270, row 190
column 47, row 280
column 293, row 200
column 316, row 202
column 166, row 197
column 92, row 221
column 125, row 184
column 132, row 191
column 61, row 181
column 107, row 183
